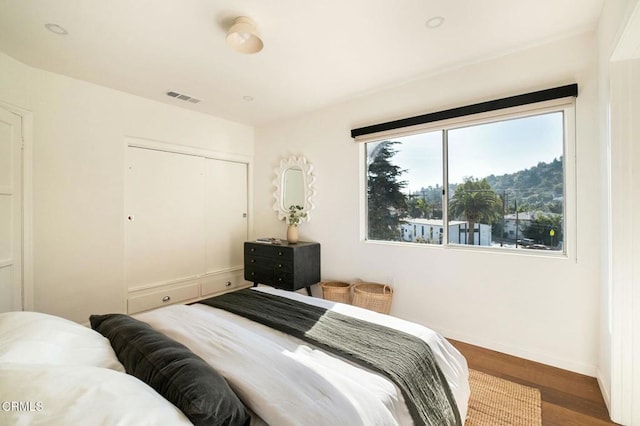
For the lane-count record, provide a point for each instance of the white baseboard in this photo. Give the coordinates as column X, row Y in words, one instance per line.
column 543, row 358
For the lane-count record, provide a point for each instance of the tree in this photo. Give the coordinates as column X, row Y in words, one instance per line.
column 541, row 226
column 387, row 203
column 418, row 208
column 426, row 203
column 475, row 201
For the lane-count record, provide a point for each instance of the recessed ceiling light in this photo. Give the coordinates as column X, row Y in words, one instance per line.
column 435, row 22
column 56, row 29
column 247, row 98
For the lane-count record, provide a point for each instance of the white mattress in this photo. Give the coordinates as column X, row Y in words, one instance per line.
column 286, row 381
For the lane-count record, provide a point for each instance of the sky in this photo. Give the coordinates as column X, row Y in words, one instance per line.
column 481, row 150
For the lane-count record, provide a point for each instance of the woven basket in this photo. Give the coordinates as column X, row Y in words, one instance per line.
column 376, row 297
column 336, row 291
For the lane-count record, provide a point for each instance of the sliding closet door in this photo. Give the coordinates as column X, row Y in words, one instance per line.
column 165, row 217
column 226, row 213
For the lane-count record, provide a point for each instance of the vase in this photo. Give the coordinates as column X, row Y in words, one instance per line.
column 292, row 234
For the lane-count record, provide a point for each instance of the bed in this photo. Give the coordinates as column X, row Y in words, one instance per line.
column 262, row 375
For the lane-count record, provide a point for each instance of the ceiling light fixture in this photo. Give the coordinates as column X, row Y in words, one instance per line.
column 56, row 29
column 243, row 36
column 435, row 22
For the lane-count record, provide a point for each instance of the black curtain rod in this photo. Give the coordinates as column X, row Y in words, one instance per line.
column 512, row 101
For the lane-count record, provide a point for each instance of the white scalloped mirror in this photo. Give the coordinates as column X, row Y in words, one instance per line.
column 294, row 186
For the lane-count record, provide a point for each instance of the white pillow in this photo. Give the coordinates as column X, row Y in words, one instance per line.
column 65, row 395
column 37, row 338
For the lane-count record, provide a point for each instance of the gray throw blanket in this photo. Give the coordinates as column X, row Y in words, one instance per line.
column 405, row 359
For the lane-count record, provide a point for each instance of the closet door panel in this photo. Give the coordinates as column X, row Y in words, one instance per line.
column 226, row 214
column 164, row 217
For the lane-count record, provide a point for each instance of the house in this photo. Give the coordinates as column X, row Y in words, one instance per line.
column 580, row 312
column 516, row 221
column 430, row 231
column 422, row 230
column 516, row 224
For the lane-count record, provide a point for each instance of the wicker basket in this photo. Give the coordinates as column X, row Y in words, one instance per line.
column 336, row 291
column 376, row 297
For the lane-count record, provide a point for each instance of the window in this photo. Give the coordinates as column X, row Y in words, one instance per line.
column 498, row 180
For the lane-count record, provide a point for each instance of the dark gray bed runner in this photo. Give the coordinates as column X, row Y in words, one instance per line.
column 405, row 359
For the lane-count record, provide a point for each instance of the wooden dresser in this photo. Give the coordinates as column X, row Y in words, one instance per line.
column 285, row 266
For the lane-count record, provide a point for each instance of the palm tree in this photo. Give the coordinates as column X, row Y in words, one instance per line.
column 475, row 201
column 418, row 208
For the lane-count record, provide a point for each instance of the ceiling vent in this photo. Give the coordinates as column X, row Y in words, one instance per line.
column 182, row 97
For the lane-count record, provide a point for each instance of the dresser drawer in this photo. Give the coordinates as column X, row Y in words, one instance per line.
column 269, row 251
column 274, row 277
column 219, row 283
column 279, row 264
column 163, row 297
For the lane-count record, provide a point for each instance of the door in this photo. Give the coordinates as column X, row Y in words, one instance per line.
column 186, row 216
column 225, row 214
column 625, row 234
column 165, row 218
column 10, row 212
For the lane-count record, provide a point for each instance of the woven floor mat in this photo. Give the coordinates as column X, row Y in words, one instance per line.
column 496, row 401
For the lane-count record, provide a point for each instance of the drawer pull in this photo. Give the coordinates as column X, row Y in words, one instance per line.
column 279, row 265
column 253, row 273
column 166, row 298
column 279, row 253
column 253, row 261
column 228, row 284
column 253, row 249
column 280, row 279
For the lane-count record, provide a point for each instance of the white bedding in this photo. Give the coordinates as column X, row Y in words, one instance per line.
column 33, row 337
column 286, row 381
column 55, row 372
column 75, row 395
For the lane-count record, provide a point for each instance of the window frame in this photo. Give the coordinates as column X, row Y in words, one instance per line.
column 567, row 105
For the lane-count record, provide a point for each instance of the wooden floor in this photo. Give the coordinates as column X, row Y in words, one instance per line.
column 567, row 398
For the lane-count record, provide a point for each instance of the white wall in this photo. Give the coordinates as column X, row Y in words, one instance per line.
column 541, row 308
column 78, row 179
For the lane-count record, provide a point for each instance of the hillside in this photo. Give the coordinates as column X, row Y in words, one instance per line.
column 537, row 188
